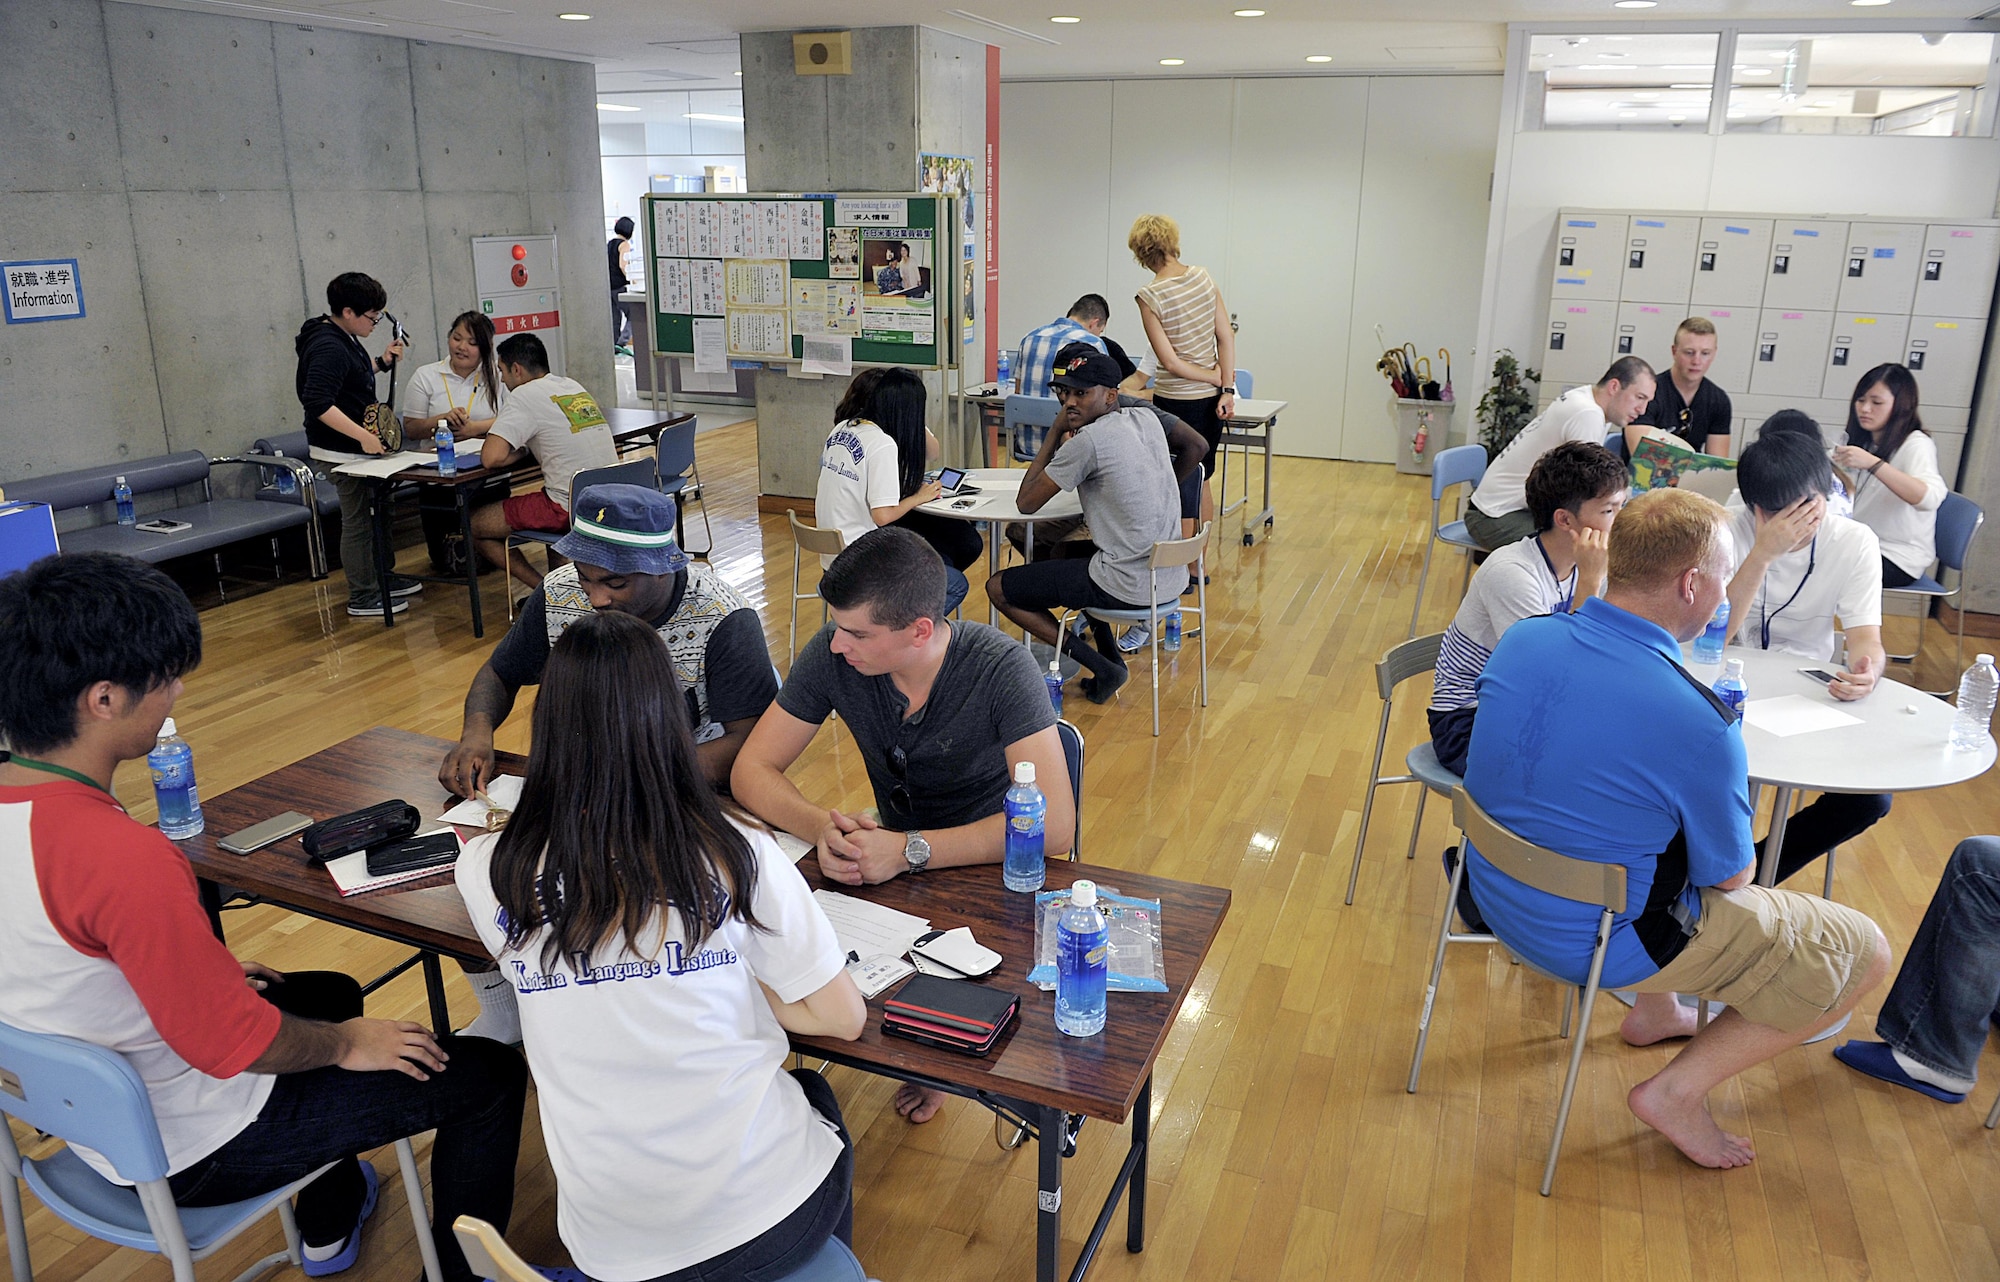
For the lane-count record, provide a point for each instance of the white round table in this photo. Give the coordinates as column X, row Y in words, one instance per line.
column 995, row 505
column 1901, row 744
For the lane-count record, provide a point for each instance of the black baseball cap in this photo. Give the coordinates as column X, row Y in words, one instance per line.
column 1079, row 365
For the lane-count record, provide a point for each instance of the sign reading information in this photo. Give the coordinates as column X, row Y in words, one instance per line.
column 43, row 291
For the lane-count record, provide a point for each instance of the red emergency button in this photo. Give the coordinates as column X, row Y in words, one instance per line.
column 520, row 252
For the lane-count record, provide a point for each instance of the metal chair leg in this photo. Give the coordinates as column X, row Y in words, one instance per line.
column 1993, row 1115
column 1437, row 969
column 1576, row 1051
column 1423, row 577
column 1568, row 996
column 1417, row 824
column 420, row 1216
column 1368, row 800
column 1153, row 644
column 1827, row 892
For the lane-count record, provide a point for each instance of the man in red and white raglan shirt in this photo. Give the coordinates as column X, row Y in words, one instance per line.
column 256, row 1078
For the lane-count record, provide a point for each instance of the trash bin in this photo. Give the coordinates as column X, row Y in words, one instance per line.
column 1428, row 421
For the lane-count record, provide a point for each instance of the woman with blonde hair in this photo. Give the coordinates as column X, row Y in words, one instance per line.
column 1188, row 327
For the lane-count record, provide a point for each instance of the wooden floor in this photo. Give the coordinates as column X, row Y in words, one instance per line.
column 1284, row 1144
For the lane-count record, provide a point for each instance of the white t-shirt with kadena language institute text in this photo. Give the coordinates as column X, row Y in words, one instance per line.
column 674, row 1131
column 857, row 472
column 561, row 425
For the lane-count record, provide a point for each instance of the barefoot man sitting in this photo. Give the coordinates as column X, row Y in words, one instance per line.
column 1593, row 741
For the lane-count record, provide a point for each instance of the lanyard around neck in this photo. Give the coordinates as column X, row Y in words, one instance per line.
column 51, row 768
column 1812, row 562
column 1562, row 606
column 470, row 396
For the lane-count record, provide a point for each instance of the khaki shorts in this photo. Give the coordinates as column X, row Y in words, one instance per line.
column 1782, row 958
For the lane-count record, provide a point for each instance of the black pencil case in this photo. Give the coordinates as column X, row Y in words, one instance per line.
column 371, row 826
column 432, row 850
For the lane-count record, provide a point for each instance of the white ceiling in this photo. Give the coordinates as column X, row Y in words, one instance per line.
column 690, row 44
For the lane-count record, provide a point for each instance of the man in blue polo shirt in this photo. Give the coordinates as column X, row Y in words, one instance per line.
column 1593, row 740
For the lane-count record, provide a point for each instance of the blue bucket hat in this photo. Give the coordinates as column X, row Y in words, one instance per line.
column 626, row 529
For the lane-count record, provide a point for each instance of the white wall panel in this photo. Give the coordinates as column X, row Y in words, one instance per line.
column 1055, row 192
column 1170, row 154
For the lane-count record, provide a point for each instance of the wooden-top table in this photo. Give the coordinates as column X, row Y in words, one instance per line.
column 1034, row 1075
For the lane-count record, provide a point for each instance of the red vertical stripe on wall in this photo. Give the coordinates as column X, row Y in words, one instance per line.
column 992, row 207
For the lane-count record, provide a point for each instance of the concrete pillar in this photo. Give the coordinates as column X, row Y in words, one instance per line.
column 912, row 91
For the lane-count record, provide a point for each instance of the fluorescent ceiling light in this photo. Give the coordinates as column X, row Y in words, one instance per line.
column 574, row 17
column 1173, row 62
column 617, row 106
column 709, row 115
column 1065, row 18
column 1635, row 4
column 1249, row 13
column 1319, row 57
column 1866, row 4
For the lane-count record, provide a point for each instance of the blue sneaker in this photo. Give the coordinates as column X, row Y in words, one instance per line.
column 350, row 1247
column 1878, row 1061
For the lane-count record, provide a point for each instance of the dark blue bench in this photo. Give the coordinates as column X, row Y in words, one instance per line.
column 212, row 523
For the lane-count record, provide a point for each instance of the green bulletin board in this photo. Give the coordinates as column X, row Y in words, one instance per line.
column 878, row 270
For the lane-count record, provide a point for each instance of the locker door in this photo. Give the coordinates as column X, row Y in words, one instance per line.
column 1646, row 330
column 1590, row 256
column 1802, row 272
column 1735, row 345
column 1659, row 258
column 1579, row 341
column 1791, row 352
column 1730, row 260
column 1956, row 278
column 1860, row 343
column 1943, row 354
column 1880, row 271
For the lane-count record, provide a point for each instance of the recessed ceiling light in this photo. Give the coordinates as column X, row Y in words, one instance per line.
column 1635, row 4
column 574, row 17
column 1249, row 13
column 1173, row 62
column 1319, row 57
column 709, row 115
column 1866, row 4
column 1063, row 17
column 616, row 106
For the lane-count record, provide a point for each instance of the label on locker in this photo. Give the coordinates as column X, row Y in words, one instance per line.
column 1555, row 340
column 1707, row 260
column 1580, row 222
column 1647, row 222
column 1736, row 231
column 1934, row 270
column 1638, row 258
column 1916, row 360
column 1793, row 315
column 1781, row 264
column 1805, row 231
column 1945, row 325
column 1961, row 235
column 1567, row 258
column 1855, row 266
column 1570, row 280
column 1840, row 352
column 1767, row 347
column 1624, row 344
column 1886, row 252
column 1719, row 314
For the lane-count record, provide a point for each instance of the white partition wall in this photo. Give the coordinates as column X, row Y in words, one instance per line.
column 1322, row 205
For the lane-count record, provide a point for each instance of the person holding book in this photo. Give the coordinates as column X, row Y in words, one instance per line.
column 1685, row 403
column 1897, row 486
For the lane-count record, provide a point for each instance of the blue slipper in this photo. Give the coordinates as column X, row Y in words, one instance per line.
column 350, row 1250
column 1878, row 1061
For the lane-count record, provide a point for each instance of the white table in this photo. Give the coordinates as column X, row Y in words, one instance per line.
column 1903, row 743
column 1250, row 427
column 995, row 505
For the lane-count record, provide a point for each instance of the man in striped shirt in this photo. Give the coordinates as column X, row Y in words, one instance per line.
column 1574, row 493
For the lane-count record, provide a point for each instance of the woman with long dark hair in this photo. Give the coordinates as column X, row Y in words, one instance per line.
column 662, row 946
column 1897, row 486
column 897, row 405
column 463, row 390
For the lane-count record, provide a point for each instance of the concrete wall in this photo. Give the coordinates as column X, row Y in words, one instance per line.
column 210, row 174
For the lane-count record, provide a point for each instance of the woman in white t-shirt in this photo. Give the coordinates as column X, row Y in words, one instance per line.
column 464, row 389
column 1897, row 487
column 662, row 946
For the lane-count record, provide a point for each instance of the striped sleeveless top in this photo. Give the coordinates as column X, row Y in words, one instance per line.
column 1185, row 305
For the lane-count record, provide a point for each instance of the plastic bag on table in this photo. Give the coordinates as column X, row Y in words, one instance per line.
column 1138, row 962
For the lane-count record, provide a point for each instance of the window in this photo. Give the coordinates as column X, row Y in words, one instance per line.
column 1641, row 81
column 1906, row 83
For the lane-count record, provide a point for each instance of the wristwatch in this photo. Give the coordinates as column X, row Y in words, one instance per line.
column 1227, row 391
column 916, row 851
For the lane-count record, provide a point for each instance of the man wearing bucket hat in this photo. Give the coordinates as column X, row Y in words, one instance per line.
column 622, row 557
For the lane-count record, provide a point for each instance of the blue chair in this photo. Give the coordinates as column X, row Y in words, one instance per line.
column 1459, row 465
column 1072, row 744
column 1410, row 659
column 90, row 1095
column 1958, row 521
column 637, row 472
column 680, row 476
column 1245, row 380
column 490, row 1257
column 1027, row 421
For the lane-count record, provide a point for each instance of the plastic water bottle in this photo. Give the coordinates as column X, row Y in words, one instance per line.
column 1054, row 678
column 1003, row 371
column 447, row 452
column 1708, row 646
column 1730, row 688
column 1171, row 637
column 288, row 484
column 123, row 493
column 172, row 763
column 1976, row 691
column 1083, row 960
column 1025, row 808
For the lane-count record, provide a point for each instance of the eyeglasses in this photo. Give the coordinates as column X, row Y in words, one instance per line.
column 373, row 318
column 899, row 766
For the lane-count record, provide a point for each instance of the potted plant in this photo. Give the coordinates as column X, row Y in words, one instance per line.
column 1508, row 404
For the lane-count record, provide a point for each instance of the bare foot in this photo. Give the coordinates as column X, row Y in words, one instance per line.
column 918, row 1103
column 1688, row 1124
column 1657, row 1017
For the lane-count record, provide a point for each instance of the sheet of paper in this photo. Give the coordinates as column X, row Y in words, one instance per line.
column 771, row 239
column 827, row 354
column 795, row 848
column 676, row 287
column 737, row 229
column 350, row 872
column 708, row 286
column 806, row 224
column 387, row 464
column 1793, row 714
column 843, row 253
column 692, row 380
column 756, row 282
column 710, row 356
column 756, row 334
column 505, row 790
column 868, row 929
column 704, row 229
column 670, row 229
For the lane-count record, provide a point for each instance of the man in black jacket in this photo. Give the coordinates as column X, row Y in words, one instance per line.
column 336, row 385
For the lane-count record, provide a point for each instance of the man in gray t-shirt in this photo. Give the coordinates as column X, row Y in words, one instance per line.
column 1118, row 463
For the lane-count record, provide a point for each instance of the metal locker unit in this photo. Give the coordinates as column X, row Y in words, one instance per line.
column 1791, row 352
column 1948, row 428
column 1730, row 261
column 1943, row 354
column 1879, row 273
column 1803, row 269
column 1956, row 278
column 1735, row 345
column 1660, row 257
column 1590, row 256
column 1579, row 341
column 1859, row 344
column 1646, row 330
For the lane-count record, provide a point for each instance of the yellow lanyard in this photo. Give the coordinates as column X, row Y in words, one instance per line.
column 470, row 396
